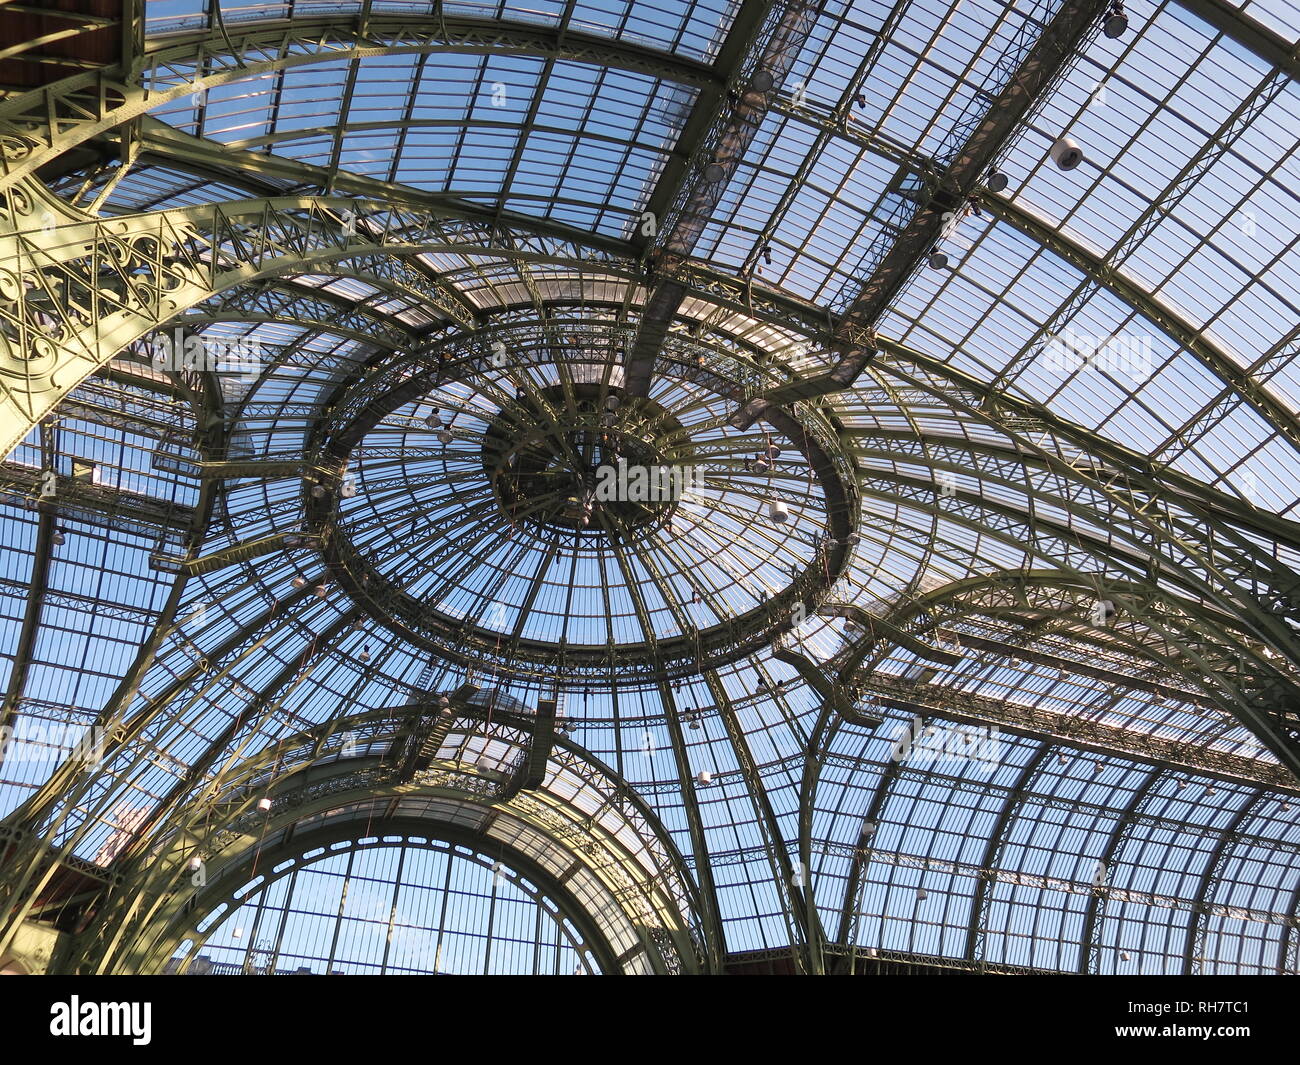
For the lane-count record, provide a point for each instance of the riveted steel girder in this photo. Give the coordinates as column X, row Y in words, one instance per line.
column 764, row 41
column 74, row 294
column 894, row 259
column 1075, row 731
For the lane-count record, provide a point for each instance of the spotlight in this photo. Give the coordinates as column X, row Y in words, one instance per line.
column 714, row 172
column 1066, row 154
column 445, row 436
column 58, row 538
column 1116, row 24
column 761, row 81
column 300, row 582
column 264, row 804
column 704, row 776
column 862, row 100
column 938, row 260
column 321, row 591
column 997, row 181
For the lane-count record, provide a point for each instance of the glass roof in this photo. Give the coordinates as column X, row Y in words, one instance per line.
column 1130, row 818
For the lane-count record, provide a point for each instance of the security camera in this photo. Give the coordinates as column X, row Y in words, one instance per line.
column 1066, row 154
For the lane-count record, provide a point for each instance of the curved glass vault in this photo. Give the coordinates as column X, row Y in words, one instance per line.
column 390, row 908
column 656, row 487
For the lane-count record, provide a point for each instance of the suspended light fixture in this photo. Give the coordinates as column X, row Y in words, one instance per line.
column 318, row 491
column 58, row 538
column 300, row 582
column 445, row 436
column 997, row 181
column 264, row 804
column 938, row 260
column 862, row 100
column 778, row 512
column 762, row 81
column 364, row 656
column 1066, row 153
column 1124, row 955
column 922, row 894
column 1116, row 23
column 704, row 777
column 714, row 172
column 321, row 590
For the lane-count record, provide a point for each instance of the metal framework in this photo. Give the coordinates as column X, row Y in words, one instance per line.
column 305, row 400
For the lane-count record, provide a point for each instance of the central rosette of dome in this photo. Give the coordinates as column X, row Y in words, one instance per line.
column 585, row 460
column 503, row 501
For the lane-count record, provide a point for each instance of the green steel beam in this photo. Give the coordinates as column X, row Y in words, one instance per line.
column 714, row 142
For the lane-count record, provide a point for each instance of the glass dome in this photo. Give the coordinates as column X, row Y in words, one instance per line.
column 729, row 465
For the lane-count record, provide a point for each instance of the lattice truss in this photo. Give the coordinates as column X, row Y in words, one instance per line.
column 974, row 642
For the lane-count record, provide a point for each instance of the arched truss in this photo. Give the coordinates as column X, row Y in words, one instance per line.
column 459, row 766
column 1183, row 561
column 1158, row 654
column 571, row 934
